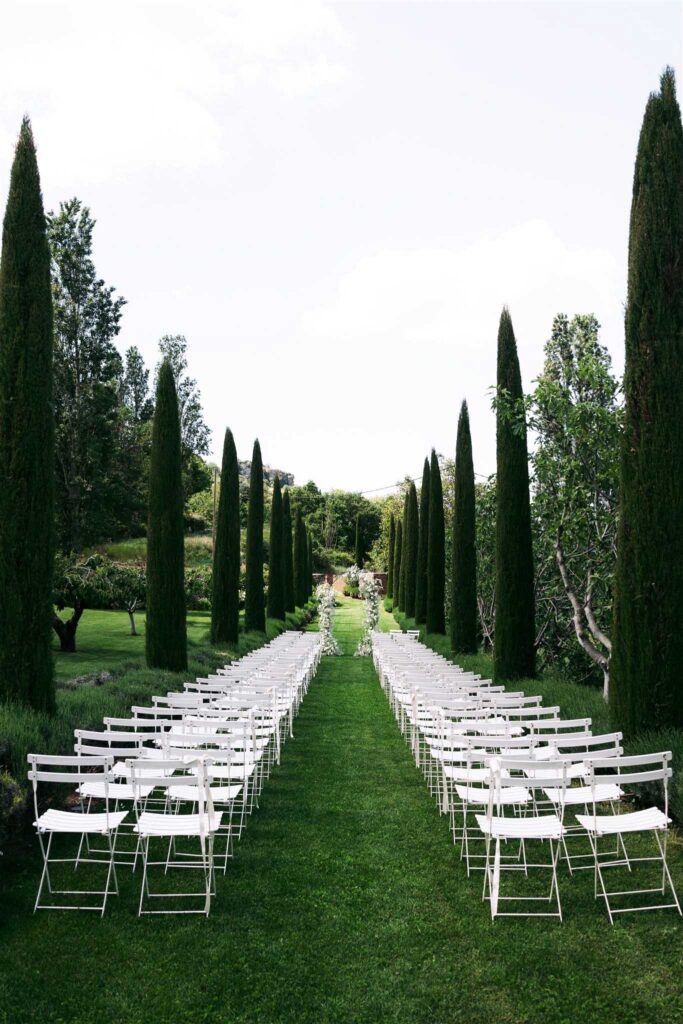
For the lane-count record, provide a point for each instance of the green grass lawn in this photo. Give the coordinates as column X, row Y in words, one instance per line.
column 104, row 642
column 346, row 904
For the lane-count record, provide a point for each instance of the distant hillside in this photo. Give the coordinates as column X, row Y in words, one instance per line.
column 269, row 473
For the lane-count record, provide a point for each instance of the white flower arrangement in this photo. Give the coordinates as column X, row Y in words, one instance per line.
column 352, row 575
column 370, row 590
column 325, row 596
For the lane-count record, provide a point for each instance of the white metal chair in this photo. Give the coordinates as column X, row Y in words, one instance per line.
column 75, row 770
column 639, row 770
column 499, row 827
column 202, row 825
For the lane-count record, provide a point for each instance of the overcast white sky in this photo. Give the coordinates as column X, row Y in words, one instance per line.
column 332, row 201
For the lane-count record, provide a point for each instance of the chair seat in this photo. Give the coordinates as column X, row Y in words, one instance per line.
column 231, row 772
column 120, row 770
column 219, row 794
column 73, row 821
column 117, row 790
column 548, row 826
column 649, row 820
column 467, row 774
column 583, row 795
column 151, row 824
column 506, row 798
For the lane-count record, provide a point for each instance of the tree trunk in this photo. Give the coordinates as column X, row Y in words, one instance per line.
column 66, row 631
column 582, row 619
column 131, row 616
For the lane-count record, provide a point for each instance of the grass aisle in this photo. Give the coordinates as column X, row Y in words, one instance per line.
column 346, row 903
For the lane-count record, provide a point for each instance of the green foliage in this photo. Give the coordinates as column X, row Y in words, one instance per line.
column 413, row 527
column 194, row 433
column 98, row 471
column 359, row 546
column 392, row 551
column 422, row 549
column 401, row 603
column 287, row 553
column 576, row 419
column 254, row 602
column 226, row 555
column 309, row 565
column 398, row 556
column 299, row 560
column 514, row 650
column 436, row 552
column 276, row 581
column 485, row 516
column 648, row 639
column 165, row 636
column 464, row 618
column 26, row 440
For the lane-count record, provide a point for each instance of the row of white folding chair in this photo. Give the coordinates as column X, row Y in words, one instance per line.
column 151, row 762
column 579, row 748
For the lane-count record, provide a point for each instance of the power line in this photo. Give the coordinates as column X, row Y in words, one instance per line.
column 412, row 479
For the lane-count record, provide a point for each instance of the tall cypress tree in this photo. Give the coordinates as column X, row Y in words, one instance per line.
column 436, row 552
column 392, row 552
column 411, row 551
column 276, row 583
column 422, row 542
column 464, row 627
column 299, row 560
column 398, row 551
column 165, row 630
column 26, row 440
column 254, row 600
column 287, row 553
column 359, row 550
column 309, row 564
column 514, row 654
column 404, row 556
column 225, row 602
column 647, row 655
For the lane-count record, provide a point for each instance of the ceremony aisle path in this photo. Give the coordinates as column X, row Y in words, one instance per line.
column 345, row 904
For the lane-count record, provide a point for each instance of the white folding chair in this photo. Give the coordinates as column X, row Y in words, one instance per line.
column 639, row 770
column 74, row 770
column 499, row 827
column 201, row 825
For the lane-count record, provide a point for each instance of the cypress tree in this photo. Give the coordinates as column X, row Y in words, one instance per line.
column 514, row 655
column 359, row 553
column 436, row 552
column 276, row 584
column 397, row 561
column 404, row 556
column 648, row 618
column 225, row 601
column 26, row 440
column 411, row 551
column 464, row 621
column 299, row 560
column 309, row 564
column 287, row 553
column 165, row 631
column 254, row 601
column 392, row 552
column 422, row 540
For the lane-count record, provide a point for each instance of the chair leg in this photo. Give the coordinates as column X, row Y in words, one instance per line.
column 45, row 875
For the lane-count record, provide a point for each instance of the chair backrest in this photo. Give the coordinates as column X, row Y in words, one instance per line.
column 70, row 769
column 162, row 773
column 635, row 770
column 107, row 742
